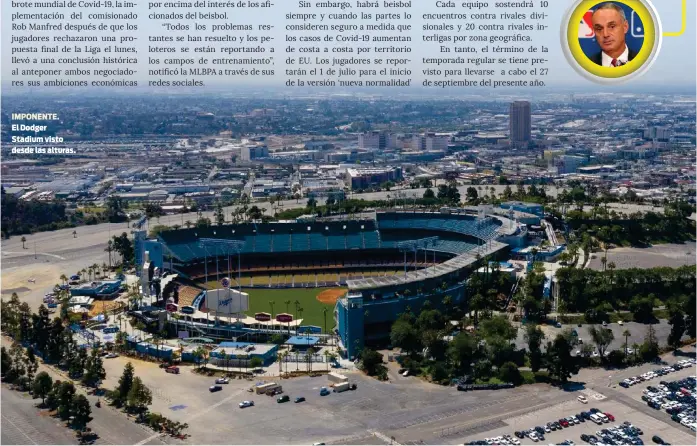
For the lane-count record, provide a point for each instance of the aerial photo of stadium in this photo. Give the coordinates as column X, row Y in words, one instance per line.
column 347, row 279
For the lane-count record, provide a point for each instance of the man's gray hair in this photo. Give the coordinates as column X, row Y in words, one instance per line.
column 614, row 7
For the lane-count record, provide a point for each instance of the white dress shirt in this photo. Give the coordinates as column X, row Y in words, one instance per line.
column 623, row 59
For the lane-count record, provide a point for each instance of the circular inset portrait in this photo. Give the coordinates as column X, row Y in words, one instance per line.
column 611, row 41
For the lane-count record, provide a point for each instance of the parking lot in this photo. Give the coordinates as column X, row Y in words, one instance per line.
column 408, row 409
column 648, row 424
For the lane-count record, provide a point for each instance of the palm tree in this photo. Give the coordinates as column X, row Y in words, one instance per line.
column 271, row 304
column 626, row 335
column 223, row 355
column 324, row 313
column 74, row 234
column 188, row 224
column 308, row 356
column 63, row 278
column 23, row 239
column 109, row 249
column 326, row 358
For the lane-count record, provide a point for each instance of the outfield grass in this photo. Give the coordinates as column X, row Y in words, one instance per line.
column 312, row 308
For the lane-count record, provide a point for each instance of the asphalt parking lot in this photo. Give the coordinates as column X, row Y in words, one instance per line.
column 409, row 409
column 622, row 413
column 624, row 404
column 638, row 333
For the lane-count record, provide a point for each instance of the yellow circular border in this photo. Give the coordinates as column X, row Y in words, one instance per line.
column 611, row 72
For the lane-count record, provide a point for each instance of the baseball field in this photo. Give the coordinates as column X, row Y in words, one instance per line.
column 307, row 298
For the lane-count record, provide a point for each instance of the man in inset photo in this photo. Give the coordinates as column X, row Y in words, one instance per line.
column 610, row 26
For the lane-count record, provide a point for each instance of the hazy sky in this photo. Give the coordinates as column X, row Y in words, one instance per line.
column 676, row 63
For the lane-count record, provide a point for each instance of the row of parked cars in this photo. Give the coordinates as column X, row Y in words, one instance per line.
column 677, row 398
column 537, row 433
column 621, row 434
column 626, row 383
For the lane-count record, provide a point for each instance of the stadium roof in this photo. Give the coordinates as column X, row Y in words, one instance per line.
column 303, row 341
column 449, row 266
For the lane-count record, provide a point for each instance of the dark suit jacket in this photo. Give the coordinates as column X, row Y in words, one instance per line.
column 598, row 57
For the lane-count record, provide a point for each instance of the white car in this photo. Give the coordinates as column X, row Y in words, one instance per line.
column 222, row 380
column 686, row 422
column 582, row 399
column 112, row 355
column 533, row 437
column 514, row 441
column 244, row 404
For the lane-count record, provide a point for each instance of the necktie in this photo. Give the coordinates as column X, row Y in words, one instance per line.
column 614, row 62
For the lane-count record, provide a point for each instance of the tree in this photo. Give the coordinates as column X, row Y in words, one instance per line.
column 602, row 337
column 560, row 363
column 429, row 194
column 311, row 203
column 6, row 361
column 626, row 333
column 371, row 362
column 642, row 307
column 199, row 354
column 498, row 327
column 42, row 385
column 31, row 365
column 649, row 349
column 677, row 329
column 94, row 370
column 124, row 246
column 509, row 373
column 461, row 351
column 472, row 195
column 65, row 395
column 255, row 363
column 534, row 337
column 80, row 410
column 405, row 336
column 139, row 396
column 125, row 383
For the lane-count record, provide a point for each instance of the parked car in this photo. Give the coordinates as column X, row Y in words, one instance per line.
column 609, row 416
column 172, row 369
column 244, row 404
column 300, row 399
column 112, row 355
column 215, row 388
column 283, row 399
column 658, row 440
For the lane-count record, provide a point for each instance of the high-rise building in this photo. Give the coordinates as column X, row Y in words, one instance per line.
column 520, row 124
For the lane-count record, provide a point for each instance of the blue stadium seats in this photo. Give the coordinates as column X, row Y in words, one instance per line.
column 322, row 236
